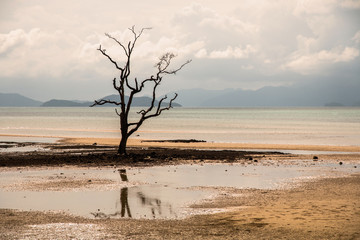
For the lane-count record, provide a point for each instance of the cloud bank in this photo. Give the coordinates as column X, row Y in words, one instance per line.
column 49, row 49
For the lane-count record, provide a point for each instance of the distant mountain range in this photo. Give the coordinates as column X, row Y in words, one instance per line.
column 17, row 100
column 296, row 96
column 65, row 103
column 301, row 96
column 137, row 101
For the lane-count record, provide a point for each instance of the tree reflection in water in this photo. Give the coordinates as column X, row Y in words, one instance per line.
column 154, row 203
column 123, row 175
column 124, row 207
column 124, row 202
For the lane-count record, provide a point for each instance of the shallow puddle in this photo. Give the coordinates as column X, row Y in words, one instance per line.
column 24, row 144
column 153, row 192
column 136, row 202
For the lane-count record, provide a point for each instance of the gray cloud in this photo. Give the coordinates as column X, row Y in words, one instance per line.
column 49, row 45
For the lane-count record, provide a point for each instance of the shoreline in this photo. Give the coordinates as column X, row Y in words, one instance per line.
column 146, row 143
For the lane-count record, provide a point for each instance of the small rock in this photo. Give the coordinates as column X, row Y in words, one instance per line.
column 340, row 163
column 315, row 158
column 89, row 181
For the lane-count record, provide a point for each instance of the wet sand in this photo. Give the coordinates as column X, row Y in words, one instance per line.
column 325, row 209
column 319, row 209
column 212, row 145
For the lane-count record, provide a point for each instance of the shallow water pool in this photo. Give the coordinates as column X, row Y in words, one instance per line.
column 153, row 192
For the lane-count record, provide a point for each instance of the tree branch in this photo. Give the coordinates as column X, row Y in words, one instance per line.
column 123, row 47
column 144, row 112
column 134, row 89
column 165, row 62
column 117, row 113
column 136, row 36
column 159, row 110
column 178, row 69
column 103, row 101
column 103, row 51
column 157, row 113
column 114, row 85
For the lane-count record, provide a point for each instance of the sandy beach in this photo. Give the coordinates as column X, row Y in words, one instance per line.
column 321, row 208
column 211, row 145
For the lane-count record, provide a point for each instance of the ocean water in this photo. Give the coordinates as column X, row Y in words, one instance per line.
column 320, row 126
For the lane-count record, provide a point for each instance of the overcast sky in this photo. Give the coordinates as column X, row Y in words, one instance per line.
column 48, row 48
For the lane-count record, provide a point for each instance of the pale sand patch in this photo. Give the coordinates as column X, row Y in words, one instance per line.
column 212, row 145
column 198, row 145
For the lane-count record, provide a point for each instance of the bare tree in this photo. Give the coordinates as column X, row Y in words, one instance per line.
column 124, row 85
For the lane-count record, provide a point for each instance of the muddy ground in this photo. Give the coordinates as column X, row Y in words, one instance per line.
column 94, row 155
column 323, row 209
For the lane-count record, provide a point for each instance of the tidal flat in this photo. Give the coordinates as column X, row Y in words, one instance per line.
column 84, row 191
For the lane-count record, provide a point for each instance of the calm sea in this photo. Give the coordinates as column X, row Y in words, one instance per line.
column 320, row 126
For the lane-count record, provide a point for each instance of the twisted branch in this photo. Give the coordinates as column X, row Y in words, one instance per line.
column 157, row 113
column 103, row 51
column 103, row 101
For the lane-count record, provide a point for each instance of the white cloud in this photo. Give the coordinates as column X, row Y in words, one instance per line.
column 215, row 29
column 228, row 53
column 314, row 7
column 356, row 37
column 202, row 53
column 247, row 67
column 37, row 53
column 316, row 62
column 10, row 41
column 306, row 44
column 229, row 23
column 57, row 54
column 350, row 4
column 57, row 40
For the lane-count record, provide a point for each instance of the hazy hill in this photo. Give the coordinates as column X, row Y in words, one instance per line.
column 199, row 97
column 271, row 97
column 65, row 103
column 137, row 102
column 17, row 100
column 337, row 94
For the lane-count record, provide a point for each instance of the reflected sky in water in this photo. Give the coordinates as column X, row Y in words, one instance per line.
column 155, row 192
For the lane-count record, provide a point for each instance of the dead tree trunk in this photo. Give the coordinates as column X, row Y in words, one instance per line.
column 134, row 87
column 122, row 145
